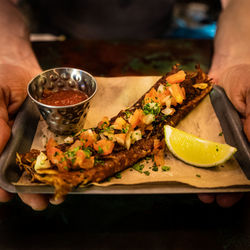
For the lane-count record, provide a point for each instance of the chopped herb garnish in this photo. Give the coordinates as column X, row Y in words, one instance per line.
column 138, row 167
column 125, row 130
column 118, row 176
column 165, row 168
column 62, row 160
column 108, row 179
column 98, row 161
column 152, row 108
column 146, row 173
column 127, row 113
column 217, row 149
column 148, row 158
column 198, row 175
column 221, row 133
column 66, row 168
column 56, row 153
column 100, row 150
column 168, row 84
column 87, row 153
column 155, row 168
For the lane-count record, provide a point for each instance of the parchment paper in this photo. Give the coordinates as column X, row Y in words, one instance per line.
column 118, row 93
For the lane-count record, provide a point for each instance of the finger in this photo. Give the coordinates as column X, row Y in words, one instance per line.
column 207, row 198
column 4, row 134
column 37, row 202
column 229, row 199
column 5, row 196
column 247, row 120
column 58, row 201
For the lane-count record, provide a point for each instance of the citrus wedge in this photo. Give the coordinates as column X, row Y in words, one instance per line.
column 196, row 151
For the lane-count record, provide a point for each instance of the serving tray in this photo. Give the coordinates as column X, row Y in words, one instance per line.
column 24, row 129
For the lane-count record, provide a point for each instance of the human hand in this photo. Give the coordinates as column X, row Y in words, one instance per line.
column 13, row 84
column 236, row 82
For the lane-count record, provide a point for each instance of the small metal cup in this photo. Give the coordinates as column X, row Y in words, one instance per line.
column 63, row 120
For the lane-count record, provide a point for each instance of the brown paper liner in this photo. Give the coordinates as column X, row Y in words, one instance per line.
column 119, row 93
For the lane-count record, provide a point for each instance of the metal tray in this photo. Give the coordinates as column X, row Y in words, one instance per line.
column 24, row 130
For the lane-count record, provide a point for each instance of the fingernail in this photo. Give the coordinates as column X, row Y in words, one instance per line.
column 56, row 201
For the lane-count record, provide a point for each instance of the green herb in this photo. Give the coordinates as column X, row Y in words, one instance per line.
column 165, row 168
column 217, row 149
column 148, row 158
column 146, row 173
column 198, row 175
column 152, row 108
column 125, row 130
column 107, row 129
column 138, row 167
column 118, row 176
column 168, row 84
column 66, row 168
column 56, row 153
column 87, row 152
column 127, row 113
column 73, row 160
column 155, row 168
column 221, row 133
column 98, row 161
column 108, row 179
column 62, row 160
column 100, row 150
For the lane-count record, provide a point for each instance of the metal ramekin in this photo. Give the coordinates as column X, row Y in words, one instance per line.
column 63, row 120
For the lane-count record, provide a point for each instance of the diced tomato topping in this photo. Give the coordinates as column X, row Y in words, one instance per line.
column 177, row 77
column 88, row 137
column 136, row 118
column 177, row 93
column 104, row 147
column 56, row 156
column 79, row 158
column 162, row 96
column 104, row 123
column 119, row 123
column 76, row 144
column 151, row 96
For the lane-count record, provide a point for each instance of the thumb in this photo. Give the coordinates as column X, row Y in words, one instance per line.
column 4, row 134
column 4, row 128
column 247, row 120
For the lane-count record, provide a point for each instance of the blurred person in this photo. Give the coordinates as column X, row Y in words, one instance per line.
column 119, row 19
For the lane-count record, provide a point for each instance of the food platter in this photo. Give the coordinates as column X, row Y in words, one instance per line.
column 23, row 133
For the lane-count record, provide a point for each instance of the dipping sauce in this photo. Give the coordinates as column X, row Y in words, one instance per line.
column 63, row 97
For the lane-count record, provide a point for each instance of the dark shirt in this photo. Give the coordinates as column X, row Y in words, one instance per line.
column 104, row 19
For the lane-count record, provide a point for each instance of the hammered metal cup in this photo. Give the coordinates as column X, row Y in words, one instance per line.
column 63, row 120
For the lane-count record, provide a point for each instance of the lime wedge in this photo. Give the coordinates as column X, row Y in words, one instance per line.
column 196, row 151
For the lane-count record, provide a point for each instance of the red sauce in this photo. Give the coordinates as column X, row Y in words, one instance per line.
column 63, row 97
